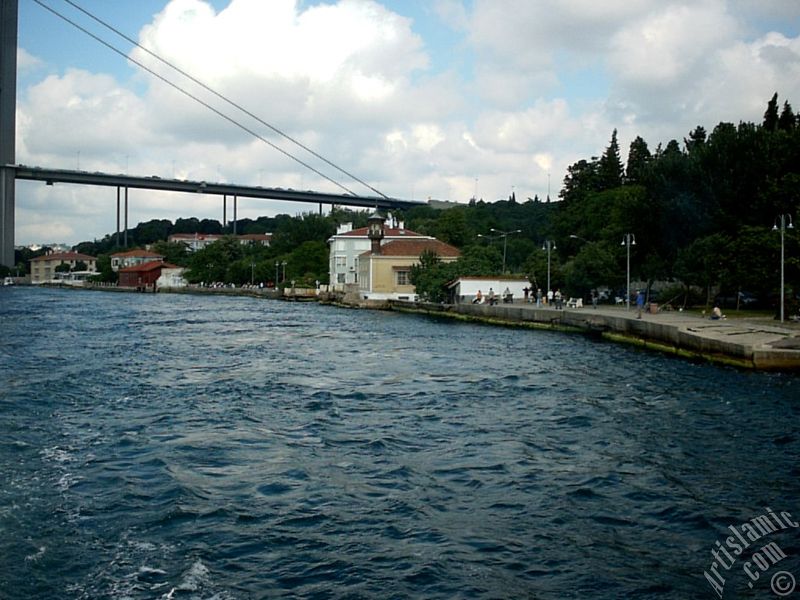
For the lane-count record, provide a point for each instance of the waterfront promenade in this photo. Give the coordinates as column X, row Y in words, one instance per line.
column 749, row 343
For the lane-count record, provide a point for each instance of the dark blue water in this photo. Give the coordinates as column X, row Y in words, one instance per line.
column 164, row 446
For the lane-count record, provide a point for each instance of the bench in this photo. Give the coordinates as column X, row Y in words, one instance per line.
column 575, row 303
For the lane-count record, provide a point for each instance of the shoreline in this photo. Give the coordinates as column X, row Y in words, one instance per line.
column 739, row 343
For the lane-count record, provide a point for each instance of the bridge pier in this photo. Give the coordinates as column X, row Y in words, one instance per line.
column 116, row 239
column 8, row 113
column 234, row 215
column 125, row 235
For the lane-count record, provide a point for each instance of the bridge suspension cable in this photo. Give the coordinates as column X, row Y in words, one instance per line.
column 223, row 97
column 204, row 103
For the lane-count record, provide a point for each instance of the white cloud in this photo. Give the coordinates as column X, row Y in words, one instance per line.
column 527, row 89
column 27, row 61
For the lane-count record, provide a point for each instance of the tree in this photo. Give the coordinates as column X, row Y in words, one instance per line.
column 639, row 158
column 452, row 227
column 308, row 263
column 104, row 270
column 697, row 139
column 787, row 121
column 430, row 276
column 771, row 114
column 212, row 263
column 62, row 268
column 173, row 252
column 703, row 262
column 580, row 180
column 609, row 169
column 594, row 266
column 80, row 266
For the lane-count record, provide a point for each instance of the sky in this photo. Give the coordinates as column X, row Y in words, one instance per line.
column 443, row 99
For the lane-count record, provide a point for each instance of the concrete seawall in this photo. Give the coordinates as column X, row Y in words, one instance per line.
column 736, row 342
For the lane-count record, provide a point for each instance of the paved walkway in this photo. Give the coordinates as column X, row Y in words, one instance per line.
column 756, row 332
column 749, row 342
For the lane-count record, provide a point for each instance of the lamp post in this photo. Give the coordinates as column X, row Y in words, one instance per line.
column 283, row 264
column 786, row 223
column 548, row 245
column 504, row 235
column 252, row 271
column 628, row 240
column 277, row 264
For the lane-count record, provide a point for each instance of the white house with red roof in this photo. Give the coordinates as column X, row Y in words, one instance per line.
column 131, row 258
column 348, row 244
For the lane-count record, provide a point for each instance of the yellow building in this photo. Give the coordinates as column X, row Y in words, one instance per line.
column 384, row 271
column 43, row 268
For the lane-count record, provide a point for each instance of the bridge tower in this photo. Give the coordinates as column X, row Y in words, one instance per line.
column 8, row 113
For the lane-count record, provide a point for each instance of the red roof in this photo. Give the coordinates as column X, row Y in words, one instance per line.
column 255, row 236
column 137, row 254
column 148, row 266
column 416, row 247
column 387, row 232
column 64, row 256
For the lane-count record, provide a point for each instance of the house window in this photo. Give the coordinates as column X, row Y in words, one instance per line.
column 340, row 278
column 401, row 278
column 341, row 262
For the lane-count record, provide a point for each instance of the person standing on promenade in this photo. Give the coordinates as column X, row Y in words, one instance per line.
column 639, row 302
column 549, row 297
column 538, row 297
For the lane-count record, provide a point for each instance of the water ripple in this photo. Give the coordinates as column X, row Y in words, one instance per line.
column 225, row 448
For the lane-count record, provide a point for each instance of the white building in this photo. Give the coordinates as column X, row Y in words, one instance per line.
column 348, row 244
column 465, row 289
column 171, row 277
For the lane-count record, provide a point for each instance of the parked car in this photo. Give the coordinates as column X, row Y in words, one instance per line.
column 740, row 299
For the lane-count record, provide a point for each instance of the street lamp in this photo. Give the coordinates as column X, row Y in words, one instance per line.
column 277, row 272
column 548, row 245
column 504, row 235
column 628, row 240
column 577, row 237
column 786, row 223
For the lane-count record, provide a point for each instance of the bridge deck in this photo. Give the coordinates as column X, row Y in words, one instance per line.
column 52, row 176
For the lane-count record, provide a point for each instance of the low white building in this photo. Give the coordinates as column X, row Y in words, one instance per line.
column 465, row 289
column 348, row 244
column 171, row 277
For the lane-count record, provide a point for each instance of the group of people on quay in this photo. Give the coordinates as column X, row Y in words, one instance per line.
column 554, row 299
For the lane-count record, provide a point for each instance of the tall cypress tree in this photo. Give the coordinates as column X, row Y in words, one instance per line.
column 610, row 166
column 771, row 114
